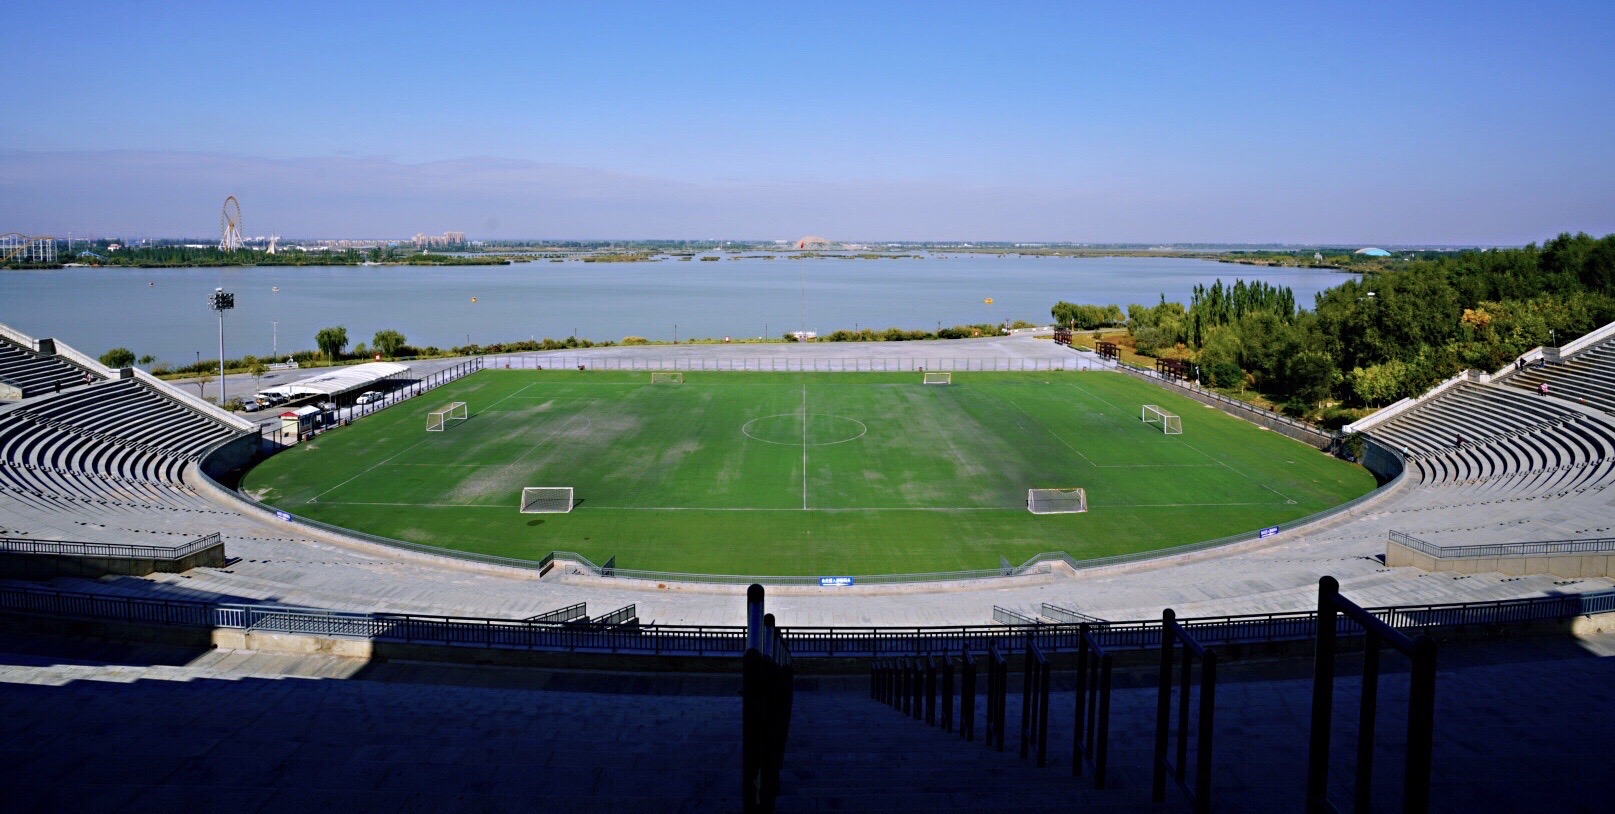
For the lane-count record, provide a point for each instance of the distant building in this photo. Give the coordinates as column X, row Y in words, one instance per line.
column 814, row 242
column 1370, row 251
column 423, row 240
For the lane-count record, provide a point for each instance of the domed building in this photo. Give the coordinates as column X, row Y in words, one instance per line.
column 814, row 242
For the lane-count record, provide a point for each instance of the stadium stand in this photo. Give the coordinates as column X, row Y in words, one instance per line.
column 32, row 372
column 1588, row 374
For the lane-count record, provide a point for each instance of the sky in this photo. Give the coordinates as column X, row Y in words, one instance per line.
column 1296, row 122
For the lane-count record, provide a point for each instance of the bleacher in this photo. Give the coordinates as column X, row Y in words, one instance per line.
column 1587, row 375
column 1493, row 441
column 34, row 373
column 114, row 449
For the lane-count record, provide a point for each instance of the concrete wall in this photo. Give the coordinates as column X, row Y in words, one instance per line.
column 1573, row 566
column 227, row 461
column 1380, row 460
column 50, row 566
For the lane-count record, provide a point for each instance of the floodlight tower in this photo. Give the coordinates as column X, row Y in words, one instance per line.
column 221, row 301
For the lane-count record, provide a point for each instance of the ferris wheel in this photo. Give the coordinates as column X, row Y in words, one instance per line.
column 230, row 225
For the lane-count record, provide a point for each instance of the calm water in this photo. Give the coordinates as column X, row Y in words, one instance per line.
column 163, row 312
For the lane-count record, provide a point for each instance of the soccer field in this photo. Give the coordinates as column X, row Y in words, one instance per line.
column 805, row 474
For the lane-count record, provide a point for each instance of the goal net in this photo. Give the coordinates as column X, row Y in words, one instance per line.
column 546, row 499
column 1170, row 424
column 939, row 378
column 437, row 420
column 1056, row 501
column 667, row 378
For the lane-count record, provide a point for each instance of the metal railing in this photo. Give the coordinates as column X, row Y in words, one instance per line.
column 997, row 696
column 1090, row 733
column 1204, row 392
column 1005, row 616
column 1035, row 704
column 1068, row 616
column 75, row 548
column 624, row 615
column 729, row 640
column 767, row 696
column 1538, row 548
column 1421, row 651
column 570, row 613
column 1199, row 793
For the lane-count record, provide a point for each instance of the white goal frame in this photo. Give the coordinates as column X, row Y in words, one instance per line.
column 939, row 378
column 1170, row 424
column 438, row 420
column 1071, row 500
column 667, row 378
column 546, row 499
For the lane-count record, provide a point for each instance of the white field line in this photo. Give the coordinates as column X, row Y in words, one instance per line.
column 804, row 449
column 367, row 469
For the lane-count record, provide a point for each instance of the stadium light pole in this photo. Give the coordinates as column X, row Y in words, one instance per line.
column 221, row 301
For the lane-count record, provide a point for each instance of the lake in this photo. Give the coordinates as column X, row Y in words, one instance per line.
column 164, row 312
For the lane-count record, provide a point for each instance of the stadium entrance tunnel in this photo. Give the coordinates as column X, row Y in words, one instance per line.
column 821, row 429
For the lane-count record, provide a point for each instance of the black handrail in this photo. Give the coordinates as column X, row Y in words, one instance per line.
column 1035, row 703
column 1421, row 650
column 767, row 687
column 1172, row 633
column 1090, row 739
column 997, row 696
column 967, row 696
column 569, row 613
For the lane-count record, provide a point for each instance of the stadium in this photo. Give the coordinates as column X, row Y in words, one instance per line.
column 1018, row 545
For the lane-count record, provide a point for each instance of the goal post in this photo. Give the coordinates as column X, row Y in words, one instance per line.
column 438, row 420
column 1170, row 424
column 939, row 378
column 667, row 378
column 1072, row 500
column 546, row 499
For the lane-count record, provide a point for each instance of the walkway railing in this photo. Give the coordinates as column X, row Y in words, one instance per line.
column 1199, row 789
column 74, row 548
column 1421, row 650
column 1090, row 733
column 767, row 697
column 1539, row 548
column 817, row 642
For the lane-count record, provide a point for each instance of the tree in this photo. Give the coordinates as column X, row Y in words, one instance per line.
column 331, row 341
column 201, row 381
column 387, row 341
column 255, row 368
column 147, row 359
column 118, row 357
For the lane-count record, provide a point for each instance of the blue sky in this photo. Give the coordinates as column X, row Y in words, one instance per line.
column 1362, row 122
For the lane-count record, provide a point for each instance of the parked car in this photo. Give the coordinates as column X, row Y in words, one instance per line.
column 249, row 406
column 368, row 396
column 327, row 405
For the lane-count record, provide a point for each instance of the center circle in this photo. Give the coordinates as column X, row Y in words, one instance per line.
column 794, row 429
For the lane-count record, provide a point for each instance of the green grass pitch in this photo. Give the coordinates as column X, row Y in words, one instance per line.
column 803, row 474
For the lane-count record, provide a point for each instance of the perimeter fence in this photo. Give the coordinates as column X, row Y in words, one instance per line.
column 789, row 364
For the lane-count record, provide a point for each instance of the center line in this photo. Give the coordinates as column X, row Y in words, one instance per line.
column 804, row 448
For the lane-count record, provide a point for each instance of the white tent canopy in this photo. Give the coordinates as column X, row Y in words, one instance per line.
column 341, row 380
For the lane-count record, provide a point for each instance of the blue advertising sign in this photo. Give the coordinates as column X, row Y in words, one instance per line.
column 835, row 582
column 1269, row 531
column 283, row 515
